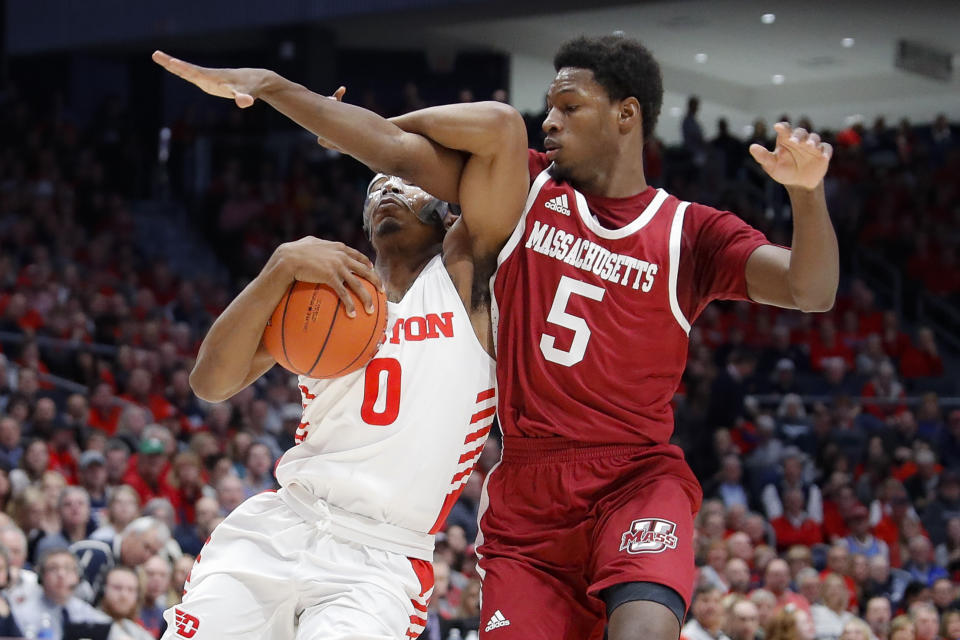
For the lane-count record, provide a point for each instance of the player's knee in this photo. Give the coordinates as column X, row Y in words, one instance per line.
column 643, row 620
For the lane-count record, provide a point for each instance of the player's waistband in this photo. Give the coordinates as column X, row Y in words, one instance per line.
column 523, row 450
column 356, row 528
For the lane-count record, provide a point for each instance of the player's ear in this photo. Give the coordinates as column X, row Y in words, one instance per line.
column 629, row 116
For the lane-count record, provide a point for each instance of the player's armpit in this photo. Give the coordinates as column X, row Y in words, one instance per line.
column 767, row 272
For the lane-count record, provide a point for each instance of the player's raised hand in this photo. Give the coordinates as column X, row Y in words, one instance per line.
column 240, row 85
column 334, row 264
column 799, row 159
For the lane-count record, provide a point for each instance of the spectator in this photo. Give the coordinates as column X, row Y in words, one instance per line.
column 159, row 573
column 146, row 477
column 118, row 457
column 887, row 389
column 187, row 483
column 948, row 552
column 921, row 567
column 259, row 465
column 8, row 626
column 808, row 584
column 950, row 624
column 901, row 628
column 141, row 539
column 46, row 611
column 711, row 573
column 728, row 484
column 22, row 582
column 830, row 617
column 792, row 463
column 878, row 614
column 74, row 515
column 944, row 594
column 791, row 623
column 464, row 511
column 926, row 621
column 121, row 597
column 766, row 604
column 943, row 507
column 856, row 629
column 191, row 537
column 93, row 478
column 742, row 620
column 795, row 527
column 707, row 614
column 229, row 493
column 123, row 507
column 736, row 575
column 182, row 567
column 922, row 485
column 11, row 448
column 777, row 581
column 693, row 140
column 861, row 540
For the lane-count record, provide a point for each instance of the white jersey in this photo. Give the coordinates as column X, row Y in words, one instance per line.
column 384, row 452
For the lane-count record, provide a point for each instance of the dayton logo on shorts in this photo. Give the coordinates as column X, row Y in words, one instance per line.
column 649, row 535
column 187, row 624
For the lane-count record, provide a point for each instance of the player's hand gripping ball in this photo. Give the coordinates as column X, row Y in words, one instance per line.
column 311, row 334
column 332, row 318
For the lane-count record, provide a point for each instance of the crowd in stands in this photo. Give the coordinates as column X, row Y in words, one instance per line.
column 832, row 504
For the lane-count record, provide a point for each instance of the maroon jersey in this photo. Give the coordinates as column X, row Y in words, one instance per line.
column 593, row 300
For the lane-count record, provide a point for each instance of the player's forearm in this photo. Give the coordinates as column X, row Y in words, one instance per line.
column 814, row 259
column 227, row 353
column 478, row 128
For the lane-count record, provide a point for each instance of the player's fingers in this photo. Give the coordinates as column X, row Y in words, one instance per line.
column 357, row 255
column 762, row 155
column 338, row 94
column 243, row 100
column 826, row 149
column 813, row 139
column 356, row 284
column 367, row 272
column 798, row 136
column 337, row 284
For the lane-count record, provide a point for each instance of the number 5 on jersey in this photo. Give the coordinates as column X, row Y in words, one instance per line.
column 558, row 315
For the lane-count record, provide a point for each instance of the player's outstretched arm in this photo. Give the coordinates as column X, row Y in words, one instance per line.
column 806, row 276
column 231, row 355
column 366, row 136
column 495, row 180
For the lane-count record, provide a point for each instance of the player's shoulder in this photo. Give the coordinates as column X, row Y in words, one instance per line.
column 536, row 162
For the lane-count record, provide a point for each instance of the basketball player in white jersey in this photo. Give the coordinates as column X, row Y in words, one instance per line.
column 343, row 549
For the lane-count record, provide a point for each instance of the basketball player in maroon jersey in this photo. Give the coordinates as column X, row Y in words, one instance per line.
column 588, row 520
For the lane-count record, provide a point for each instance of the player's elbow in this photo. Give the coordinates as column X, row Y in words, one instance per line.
column 504, row 125
column 815, row 301
column 205, row 385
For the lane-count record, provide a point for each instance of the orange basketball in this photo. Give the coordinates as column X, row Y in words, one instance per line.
column 311, row 334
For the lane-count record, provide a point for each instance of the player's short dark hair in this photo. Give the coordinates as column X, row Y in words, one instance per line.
column 623, row 67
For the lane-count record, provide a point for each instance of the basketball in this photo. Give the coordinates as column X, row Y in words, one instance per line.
column 311, row 334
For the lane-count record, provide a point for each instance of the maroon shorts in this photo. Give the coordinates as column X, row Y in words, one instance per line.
column 562, row 521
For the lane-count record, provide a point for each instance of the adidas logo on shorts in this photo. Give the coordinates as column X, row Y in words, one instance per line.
column 497, row 620
column 558, row 204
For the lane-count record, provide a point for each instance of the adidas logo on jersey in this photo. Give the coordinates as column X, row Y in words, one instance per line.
column 497, row 620
column 558, row 204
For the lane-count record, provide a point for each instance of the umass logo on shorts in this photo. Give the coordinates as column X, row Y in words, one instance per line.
column 649, row 535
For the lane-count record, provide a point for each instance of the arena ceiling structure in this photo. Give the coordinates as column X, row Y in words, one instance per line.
column 832, row 61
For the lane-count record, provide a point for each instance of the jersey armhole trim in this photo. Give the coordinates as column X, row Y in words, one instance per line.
column 509, row 247
column 676, row 235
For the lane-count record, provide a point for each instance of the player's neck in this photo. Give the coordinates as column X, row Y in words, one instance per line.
column 621, row 177
column 399, row 270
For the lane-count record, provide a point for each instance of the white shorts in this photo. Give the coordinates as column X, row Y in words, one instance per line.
column 268, row 574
